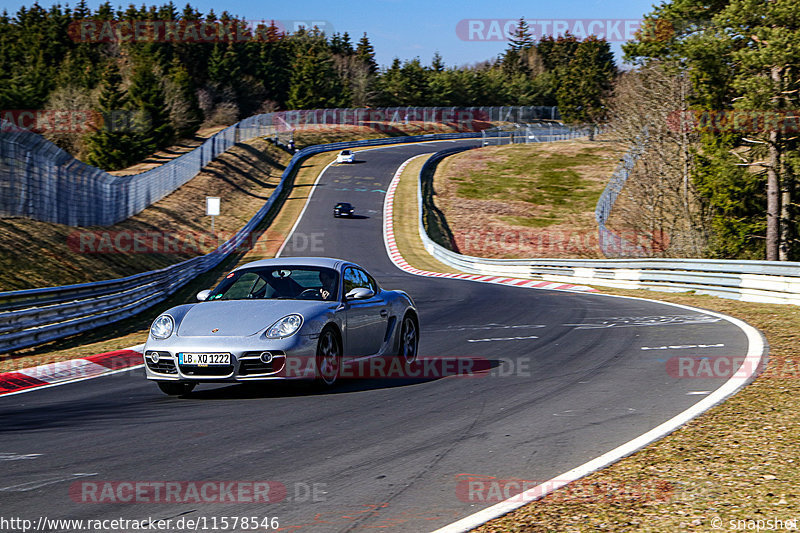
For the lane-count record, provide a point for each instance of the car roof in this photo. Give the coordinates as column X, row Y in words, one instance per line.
column 326, row 262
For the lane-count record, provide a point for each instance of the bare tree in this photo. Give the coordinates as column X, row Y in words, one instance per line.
column 659, row 201
column 68, row 119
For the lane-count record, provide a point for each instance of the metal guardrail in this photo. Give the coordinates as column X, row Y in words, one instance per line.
column 611, row 244
column 533, row 133
column 752, row 281
column 40, row 181
column 34, row 316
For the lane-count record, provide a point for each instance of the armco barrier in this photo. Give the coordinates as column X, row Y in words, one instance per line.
column 34, row 316
column 40, row 181
column 752, row 281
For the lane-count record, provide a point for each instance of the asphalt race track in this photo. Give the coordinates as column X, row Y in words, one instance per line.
column 566, row 377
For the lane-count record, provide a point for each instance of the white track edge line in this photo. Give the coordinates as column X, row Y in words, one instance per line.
column 303, row 211
column 308, row 200
column 755, row 354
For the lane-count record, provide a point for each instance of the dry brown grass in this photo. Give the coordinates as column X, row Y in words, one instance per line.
column 243, row 178
column 738, row 461
column 170, row 153
column 530, row 200
column 272, row 234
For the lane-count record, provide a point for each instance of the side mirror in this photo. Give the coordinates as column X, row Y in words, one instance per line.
column 202, row 296
column 359, row 293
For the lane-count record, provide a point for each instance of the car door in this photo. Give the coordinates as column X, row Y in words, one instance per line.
column 366, row 320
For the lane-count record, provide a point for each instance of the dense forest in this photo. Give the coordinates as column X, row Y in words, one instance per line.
column 716, row 98
column 171, row 82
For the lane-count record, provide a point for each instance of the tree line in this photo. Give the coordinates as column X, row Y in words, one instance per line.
column 173, row 87
column 716, row 93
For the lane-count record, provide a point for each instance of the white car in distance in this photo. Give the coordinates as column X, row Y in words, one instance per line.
column 346, row 156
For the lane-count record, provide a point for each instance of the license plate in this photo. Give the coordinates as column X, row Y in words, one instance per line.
column 204, row 359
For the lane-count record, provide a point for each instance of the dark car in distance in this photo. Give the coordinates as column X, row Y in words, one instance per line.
column 343, row 209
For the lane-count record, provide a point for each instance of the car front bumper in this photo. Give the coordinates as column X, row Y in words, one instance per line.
column 292, row 358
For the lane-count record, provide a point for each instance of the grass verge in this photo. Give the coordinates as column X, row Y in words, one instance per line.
column 526, row 200
column 737, row 461
column 133, row 331
column 270, row 236
column 243, row 178
column 406, row 220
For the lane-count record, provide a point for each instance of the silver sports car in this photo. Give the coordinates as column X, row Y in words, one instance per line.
column 287, row 318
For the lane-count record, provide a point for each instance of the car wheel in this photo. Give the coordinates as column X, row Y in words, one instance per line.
column 329, row 357
column 176, row 388
column 409, row 340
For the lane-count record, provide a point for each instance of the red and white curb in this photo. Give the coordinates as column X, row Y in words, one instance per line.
column 402, row 264
column 53, row 374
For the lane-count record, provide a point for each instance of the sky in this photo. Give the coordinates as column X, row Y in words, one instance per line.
column 462, row 32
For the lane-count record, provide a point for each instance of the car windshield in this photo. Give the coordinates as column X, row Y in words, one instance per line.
column 279, row 283
column 345, row 152
column 343, row 205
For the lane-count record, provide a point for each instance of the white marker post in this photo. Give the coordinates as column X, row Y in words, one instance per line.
column 212, row 209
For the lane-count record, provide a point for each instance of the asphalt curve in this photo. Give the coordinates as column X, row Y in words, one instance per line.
column 568, row 377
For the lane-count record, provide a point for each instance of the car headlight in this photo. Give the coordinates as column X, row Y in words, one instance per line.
column 285, row 327
column 162, row 327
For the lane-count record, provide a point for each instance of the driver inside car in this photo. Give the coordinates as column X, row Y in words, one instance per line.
column 328, row 280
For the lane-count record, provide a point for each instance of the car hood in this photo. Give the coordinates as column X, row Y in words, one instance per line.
column 241, row 318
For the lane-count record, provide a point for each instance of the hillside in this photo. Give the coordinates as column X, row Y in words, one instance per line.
column 39, row 254
column 525, row 200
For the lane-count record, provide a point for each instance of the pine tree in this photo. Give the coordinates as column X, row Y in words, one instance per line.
column 522, row 39
column 366, row 53
column 741, row 54
column 314, row 83
column 148, row 100
column 112, row 146
column 586, row 81
column 437, row 63
column 185, row 111
column 347, row 45
column 274, row 66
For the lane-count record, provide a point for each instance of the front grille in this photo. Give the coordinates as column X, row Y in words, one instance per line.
column 165, row 364
column 250, row 363
column 215, row 370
